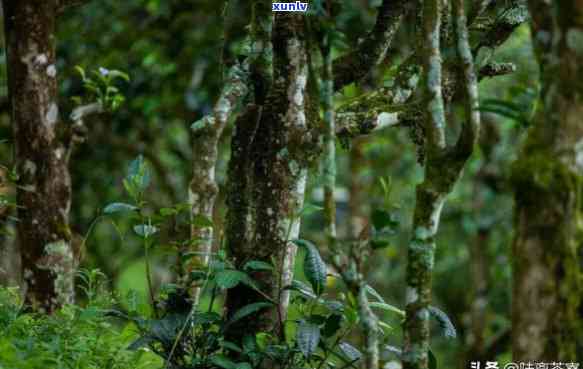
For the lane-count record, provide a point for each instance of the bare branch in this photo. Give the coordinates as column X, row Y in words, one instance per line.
column 471, row 127
column 356, row 64
column 433, row 76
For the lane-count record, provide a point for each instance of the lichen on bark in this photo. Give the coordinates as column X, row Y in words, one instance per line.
column 281, row 151
column 44, row 184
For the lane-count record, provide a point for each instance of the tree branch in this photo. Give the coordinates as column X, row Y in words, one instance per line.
column 361, row 116
column 356, row 64
column 471, row 127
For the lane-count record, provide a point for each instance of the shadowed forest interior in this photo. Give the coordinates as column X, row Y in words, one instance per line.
column 369, row 184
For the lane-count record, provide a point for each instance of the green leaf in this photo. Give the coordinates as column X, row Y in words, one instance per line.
column 307, row 338
column 231, row 346
column 257, row 265
column 314, row 267
column 200, row 318
column 394, row 350
column 119, row 207
column 145, row 230
column 201, row 221
column 248, row 310
column 119, row 74
column 228, row 278
column 432, row 360
column 138, row 174
column 223, row 362
column 302, row 288
column 384, row 219
column 165, row 212
column 371, row 291
column 310, row 209
column 350, row 351
column 387, row 307
column 140, row 342
column 447, row 327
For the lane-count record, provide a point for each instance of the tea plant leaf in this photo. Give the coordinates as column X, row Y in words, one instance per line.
column 119, row 207
column 447, row 327
column 307, row 338
column 314, row 267
column 350, row 351
column 248, row 310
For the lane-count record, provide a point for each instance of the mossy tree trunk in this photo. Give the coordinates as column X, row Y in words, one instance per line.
column 271, row 151
column 443, row 167
column 547, row 290
column 44, row 185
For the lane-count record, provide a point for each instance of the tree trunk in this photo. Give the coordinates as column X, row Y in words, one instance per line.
column 547, row 290
column 44, row 185
column 268, row 174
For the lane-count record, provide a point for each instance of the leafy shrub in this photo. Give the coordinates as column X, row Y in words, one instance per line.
column 75, row 337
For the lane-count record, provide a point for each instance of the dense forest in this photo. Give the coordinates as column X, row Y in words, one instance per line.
column 330, row 184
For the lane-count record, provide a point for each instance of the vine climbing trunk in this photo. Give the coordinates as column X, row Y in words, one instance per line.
column 44, row 185
column 546, row 303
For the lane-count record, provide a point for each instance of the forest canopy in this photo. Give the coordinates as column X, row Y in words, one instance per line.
column 324, row 184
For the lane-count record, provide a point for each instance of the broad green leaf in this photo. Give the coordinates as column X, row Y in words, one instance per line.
column 228, row 278
column 314, row 267
column 223, row 362
column 307, row 338
column 231, row 346
column 248, row 310
column 119, row 207
column 350, row 351
column 302, row 288
column 257, row 265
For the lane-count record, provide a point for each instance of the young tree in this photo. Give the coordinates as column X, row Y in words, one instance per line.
column 42, row 148
column 547, row 306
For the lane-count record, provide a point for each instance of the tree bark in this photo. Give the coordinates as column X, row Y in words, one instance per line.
column 44, row 185
column 443, row 168
column 547, row 287
column 264, row 201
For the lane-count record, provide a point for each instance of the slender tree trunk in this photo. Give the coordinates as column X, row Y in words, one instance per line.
column 547, row 290
column 44, row 185
column 203, row 187
column 443, row 167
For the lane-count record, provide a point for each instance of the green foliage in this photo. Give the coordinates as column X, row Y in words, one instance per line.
column 100, row 86
column 80, row 337
column 314, row 267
